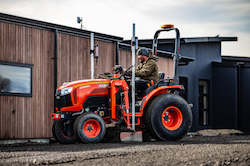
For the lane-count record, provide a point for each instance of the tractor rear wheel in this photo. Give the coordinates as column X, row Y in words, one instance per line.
column 63, row 131
column 169, row 117
column 90, row 128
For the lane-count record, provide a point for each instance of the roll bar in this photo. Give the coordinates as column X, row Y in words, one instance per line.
column 176, row 53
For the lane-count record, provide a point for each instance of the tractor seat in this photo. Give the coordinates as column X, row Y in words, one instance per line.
column 157, row 84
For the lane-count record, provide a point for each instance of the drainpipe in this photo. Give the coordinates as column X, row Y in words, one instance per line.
column 92, row 67
column 55, row 67
column 117, row 53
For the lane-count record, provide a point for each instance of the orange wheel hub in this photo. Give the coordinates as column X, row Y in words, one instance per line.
column 171, row 118
column 91, row 128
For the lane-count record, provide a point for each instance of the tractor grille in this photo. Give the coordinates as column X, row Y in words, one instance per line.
column 63, row 101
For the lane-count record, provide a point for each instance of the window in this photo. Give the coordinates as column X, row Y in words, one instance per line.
column 15, row 79
column 203, row 102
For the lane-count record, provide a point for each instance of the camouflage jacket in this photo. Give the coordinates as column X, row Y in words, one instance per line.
column 148, row 70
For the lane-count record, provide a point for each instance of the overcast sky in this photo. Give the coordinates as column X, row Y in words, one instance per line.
column 194, row 18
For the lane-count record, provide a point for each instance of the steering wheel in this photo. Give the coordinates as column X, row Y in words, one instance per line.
column 126, row 71
column 126, row 74
column 128, row 68
column 105, row 75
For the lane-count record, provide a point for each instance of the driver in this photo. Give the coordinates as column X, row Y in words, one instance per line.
column 147, row 68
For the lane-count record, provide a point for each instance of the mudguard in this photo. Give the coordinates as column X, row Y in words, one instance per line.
column 160, row 90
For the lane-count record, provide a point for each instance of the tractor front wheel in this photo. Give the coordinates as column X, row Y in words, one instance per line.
column 90, row 128
column 63, row 131
column 169, row 117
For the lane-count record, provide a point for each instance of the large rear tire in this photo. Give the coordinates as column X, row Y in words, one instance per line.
column 169, row 117
column 90, row 128
column 63, row 131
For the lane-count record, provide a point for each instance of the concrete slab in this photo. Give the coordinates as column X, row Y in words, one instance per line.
column 11, row 142
column 131, row 136
column 24, row 141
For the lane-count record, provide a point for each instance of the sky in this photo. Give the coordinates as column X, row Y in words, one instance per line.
column 194, row 18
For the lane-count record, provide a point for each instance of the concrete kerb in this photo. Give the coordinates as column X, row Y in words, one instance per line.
column 24, row 141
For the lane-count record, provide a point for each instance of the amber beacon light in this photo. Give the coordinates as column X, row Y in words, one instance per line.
column 165, row 26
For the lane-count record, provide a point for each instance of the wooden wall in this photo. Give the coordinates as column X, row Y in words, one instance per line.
column 28, row 117
column 125, row 57
column 166, row 65
column 74, row 58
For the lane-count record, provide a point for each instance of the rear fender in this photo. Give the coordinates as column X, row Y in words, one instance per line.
column 161, row 90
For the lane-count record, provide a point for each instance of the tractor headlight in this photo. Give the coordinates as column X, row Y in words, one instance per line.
column 66, row 91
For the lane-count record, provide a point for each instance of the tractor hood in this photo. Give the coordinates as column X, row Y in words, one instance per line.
column 80, row 83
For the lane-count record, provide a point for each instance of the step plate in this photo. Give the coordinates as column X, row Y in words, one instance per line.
column 131, row 136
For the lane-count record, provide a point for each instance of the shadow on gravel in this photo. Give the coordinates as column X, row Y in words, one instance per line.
column 221, row 139
column 78, row 147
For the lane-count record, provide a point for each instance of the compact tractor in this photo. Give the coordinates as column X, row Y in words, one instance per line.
column 86, row 109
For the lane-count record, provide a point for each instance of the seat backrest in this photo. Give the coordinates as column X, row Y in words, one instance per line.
column 159, row 83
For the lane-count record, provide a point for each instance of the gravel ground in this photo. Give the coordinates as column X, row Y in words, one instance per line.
column 210, row 147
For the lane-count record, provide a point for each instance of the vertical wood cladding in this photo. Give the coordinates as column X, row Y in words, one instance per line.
column 166, row 65
column 28, row 117
column 74, row 58
column 125, row 58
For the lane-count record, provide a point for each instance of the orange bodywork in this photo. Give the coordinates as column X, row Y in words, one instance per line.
column 146, row 100
column 158, row 91
column 105, row 87
column 115, row 85
column 83, row 89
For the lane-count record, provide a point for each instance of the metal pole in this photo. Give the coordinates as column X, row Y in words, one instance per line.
column 92, row 55
column 133, row 78
column 176, row 57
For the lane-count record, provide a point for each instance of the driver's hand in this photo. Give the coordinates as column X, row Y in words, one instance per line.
column 118, row 69
column 128, row 73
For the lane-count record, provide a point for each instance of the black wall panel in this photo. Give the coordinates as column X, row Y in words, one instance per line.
column 244, row 99
column 224, row 97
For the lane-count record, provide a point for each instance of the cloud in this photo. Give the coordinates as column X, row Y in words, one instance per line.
column 115, row 17
column 200, row 12
column 239, row 48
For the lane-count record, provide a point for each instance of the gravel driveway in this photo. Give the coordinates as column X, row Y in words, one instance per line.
column 213, row 147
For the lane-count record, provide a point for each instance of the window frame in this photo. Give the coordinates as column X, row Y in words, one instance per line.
column 15, row 64
column 207, row 109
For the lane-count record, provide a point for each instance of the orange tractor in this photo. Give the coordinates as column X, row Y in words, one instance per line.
column 87, row 108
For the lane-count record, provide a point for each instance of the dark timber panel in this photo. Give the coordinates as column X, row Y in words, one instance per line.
column 28, row 117
column 74, row 58
column 125, row 58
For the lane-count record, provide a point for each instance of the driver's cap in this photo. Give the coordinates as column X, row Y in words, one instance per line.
column 143, row 52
